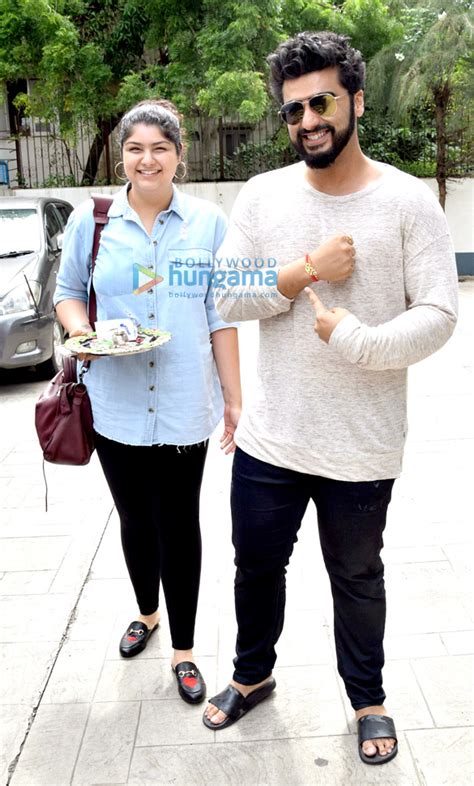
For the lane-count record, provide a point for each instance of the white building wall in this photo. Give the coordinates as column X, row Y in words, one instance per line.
column 459, row 207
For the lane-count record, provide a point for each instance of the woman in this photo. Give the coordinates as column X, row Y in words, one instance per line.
column 154, row 412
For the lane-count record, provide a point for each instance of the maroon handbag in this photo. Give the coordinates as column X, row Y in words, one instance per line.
column 63, row 418
column 63, row 414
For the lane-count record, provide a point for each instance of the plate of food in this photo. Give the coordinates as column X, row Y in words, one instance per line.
column 118, row 344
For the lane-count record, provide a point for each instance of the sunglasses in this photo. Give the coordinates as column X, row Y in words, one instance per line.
column 324, row 104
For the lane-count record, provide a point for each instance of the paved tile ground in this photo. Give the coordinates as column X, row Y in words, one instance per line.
column 73, row 712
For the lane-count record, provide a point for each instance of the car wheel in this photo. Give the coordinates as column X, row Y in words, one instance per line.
column 51, row 367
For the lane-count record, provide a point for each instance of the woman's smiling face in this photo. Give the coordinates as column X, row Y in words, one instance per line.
column 149, row 159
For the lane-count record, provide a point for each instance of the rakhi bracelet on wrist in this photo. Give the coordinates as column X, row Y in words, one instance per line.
column 309, row 269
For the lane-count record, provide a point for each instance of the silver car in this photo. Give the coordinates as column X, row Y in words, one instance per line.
column 31, row 231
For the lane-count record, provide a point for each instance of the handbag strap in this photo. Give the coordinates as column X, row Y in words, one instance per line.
column 69, row 369
column 101, row 218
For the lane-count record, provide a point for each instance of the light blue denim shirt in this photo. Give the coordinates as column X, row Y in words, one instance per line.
column 170, row 395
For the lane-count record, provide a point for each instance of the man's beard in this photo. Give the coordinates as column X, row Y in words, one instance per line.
column 339, row 142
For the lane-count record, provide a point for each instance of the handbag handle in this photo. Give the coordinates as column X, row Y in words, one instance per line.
column 101, row 218
column 69, row 369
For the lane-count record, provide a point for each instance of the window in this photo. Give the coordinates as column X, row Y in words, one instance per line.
column 52, row 223
column 64, row 213
column 233, row 138
column 19, row 231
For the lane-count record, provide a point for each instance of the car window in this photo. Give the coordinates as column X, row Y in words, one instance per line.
column 52, row 222
column 20, row 231
column 64, row 213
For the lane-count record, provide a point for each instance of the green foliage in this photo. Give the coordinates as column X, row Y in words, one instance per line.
column 430, row 66
column 25, row 25
column 72, row 79
column 93, row 59
column 117, row 27
column 370, row 25
column 253, row 157
column 298, row 15
column 242, row 92
column 59, row 181
column 147, row 83
column 411, row 147
column 212, row 54
column 435, row 53
column 368, row 22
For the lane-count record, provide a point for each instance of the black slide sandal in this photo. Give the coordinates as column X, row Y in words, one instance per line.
column 235, row 705
column 375, row 727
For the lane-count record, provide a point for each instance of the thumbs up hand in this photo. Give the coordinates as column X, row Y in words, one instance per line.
column 326, row 318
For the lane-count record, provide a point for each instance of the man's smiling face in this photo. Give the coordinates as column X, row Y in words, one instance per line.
column 319, row 140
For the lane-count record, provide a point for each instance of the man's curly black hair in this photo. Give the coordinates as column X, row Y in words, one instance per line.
column 308, row 52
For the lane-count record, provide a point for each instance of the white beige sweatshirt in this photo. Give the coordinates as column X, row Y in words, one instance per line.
column 337, row 409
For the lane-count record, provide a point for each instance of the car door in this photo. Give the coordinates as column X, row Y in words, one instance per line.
column 54, row 226
column 64, row 211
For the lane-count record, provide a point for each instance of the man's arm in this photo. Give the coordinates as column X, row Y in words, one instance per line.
column 251, row 287
column 428, row 322
column 333, row 260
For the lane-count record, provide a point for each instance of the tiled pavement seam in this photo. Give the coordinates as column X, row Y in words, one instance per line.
column 51, row 666
column 105, row 721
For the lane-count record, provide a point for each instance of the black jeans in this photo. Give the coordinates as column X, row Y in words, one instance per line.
column 156, row 492
column 268, row 504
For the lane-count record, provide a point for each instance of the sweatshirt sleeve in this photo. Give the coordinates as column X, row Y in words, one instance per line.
column 246, row 285
column 431, row 293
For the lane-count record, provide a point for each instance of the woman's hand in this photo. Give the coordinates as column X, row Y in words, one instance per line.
column 231, row 419
column 83, row 330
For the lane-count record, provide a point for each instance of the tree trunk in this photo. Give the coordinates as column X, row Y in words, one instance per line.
column 221, row 150
column 92, row 163
column 442, row 95
column 99, row 142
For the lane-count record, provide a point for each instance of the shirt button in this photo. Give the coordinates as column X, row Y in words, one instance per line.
column 151, row 363
column 150, row 267
column 150, row 409
column 152, row 387
column 151, row 316
column 161, row 221
column 155, row 242
column 150, row 291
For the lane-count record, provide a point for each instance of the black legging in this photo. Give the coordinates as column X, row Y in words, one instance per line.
column 156, row 492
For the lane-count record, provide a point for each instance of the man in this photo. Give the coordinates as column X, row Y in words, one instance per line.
column 329, row 420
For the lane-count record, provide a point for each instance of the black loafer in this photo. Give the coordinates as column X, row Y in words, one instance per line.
column 135, row 639
column 191, row 685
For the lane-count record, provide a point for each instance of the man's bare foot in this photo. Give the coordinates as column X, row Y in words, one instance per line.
column 382, row 746
column 216, row 715
column 150, row 620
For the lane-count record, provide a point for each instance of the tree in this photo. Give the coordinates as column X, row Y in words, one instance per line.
column 208, row 56
column 430, row 70
column 41, row 43
column 92, row 59
column 367, row 22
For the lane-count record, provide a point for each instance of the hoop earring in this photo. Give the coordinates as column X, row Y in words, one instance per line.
column 119, row 177
column 183, row 173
